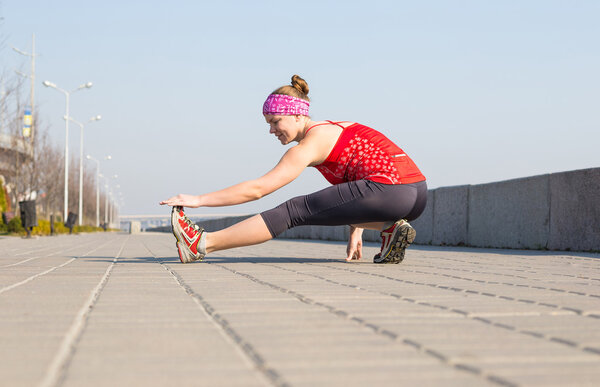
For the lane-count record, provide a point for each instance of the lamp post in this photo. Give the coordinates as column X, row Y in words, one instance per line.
column 67, row 94
column 32, row 78
column 97, row 186
column 95, row 118
column 114, row 205
column 106, row 196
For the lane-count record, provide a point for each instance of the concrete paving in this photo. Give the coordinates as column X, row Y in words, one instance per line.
column 120, row 310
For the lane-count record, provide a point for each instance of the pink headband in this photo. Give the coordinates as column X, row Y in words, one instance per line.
column 285, row 105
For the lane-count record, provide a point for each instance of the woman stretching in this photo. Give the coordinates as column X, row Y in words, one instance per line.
column 375, row 186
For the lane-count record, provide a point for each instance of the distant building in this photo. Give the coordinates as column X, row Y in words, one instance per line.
column 13, row 150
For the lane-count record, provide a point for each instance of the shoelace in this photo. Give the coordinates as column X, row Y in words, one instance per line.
column 189, row 223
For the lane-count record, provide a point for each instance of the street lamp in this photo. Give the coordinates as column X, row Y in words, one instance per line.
column 97, row 186
column 32, row 54
column 106, row 196
column 114, row 203
column 95, row 118
column 67, row 94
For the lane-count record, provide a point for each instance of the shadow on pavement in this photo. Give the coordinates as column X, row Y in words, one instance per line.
column 122, row 260
column 269, row 260
column 506, row 251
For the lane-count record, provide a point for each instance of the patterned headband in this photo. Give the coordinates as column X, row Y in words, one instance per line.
column 285, row 105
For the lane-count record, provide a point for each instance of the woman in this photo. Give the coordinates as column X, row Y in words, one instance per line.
column 375, row 186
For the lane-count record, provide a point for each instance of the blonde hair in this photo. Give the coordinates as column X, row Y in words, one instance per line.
column 298, row 89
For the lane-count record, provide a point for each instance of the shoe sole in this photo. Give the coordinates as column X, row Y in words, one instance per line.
column 173, row 221
column 185, row 256
column 403, row 236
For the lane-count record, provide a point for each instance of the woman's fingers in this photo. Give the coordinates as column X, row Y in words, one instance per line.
column 354, row 255
column 170, row 202
column 181, row 200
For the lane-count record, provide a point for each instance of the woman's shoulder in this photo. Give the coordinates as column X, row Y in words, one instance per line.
column 343, row 124
column 324, row 135
column 328, row 124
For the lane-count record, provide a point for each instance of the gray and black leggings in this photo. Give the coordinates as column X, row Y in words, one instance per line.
column 354, row 202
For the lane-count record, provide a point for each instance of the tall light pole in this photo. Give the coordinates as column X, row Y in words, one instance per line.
column 95, row 118
column 67, row 94
column 114, row 206
column 2, row 105
column 32, row 77
column 106, row 196
column 98, row 186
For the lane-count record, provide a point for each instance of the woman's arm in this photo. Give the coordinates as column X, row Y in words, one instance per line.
column 289, row 167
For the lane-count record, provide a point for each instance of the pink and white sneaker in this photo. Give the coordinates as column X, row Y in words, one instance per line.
column 394, row 241
column 188, row 236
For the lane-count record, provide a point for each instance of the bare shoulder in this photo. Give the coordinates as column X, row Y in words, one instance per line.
column 322, row 139
column 345, row 124
column 323, row 131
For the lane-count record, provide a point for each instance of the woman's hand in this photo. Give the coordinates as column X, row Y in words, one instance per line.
column 354, row 248
column 182, row 200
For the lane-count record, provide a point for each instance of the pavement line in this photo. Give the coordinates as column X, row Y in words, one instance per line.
column 531, row 269
column 377, row 330
column 465, row 314
column 495, row 282
column 245, row 348
column 36, row 250
column 60, row 363
column 49, row 255
column 468, row 291
column 9, row 287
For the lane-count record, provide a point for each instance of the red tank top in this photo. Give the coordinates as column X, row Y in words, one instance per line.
column 364, row 153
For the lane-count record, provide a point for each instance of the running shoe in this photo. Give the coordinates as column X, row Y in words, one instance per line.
column 187, row 234
column 394, row 241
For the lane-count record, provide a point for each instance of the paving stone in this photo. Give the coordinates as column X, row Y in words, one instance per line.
column 118, row 309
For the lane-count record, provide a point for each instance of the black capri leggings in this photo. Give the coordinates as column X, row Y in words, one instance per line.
column 354, row 202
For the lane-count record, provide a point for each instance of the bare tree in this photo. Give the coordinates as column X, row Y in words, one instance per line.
column 35, row 164
column 50, row 174
column 89, row 195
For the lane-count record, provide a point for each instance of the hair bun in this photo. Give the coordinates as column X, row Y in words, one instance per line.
column 300, row 84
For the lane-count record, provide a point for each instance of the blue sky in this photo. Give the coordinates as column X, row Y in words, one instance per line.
column 473, row 91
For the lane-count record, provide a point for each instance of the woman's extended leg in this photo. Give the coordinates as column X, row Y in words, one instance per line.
column 248, row 232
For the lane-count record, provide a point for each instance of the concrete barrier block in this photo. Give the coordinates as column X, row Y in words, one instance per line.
column 510, row 214
column 575, row 210
column 450, row 209
column 300, row 232
column 221, row 223
column 371, row 236
column 135, row 227
column 423, row 225
column 317, row 232
column 339, row 233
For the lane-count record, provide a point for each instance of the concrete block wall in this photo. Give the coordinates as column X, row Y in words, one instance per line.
column 424, row 224
column 558, row 211
column 514, row 213
column 449, row 215
column 135, row 227
column 575, row 210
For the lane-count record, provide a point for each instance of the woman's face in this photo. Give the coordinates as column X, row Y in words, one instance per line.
column 285, row 128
